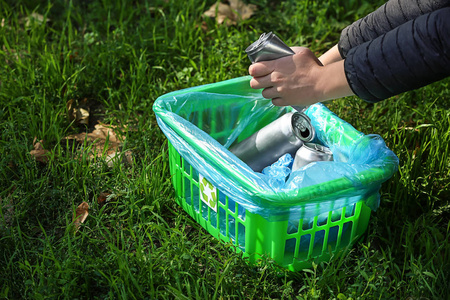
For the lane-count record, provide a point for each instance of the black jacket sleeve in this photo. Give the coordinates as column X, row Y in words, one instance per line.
column 387, row 17
column 407, row 57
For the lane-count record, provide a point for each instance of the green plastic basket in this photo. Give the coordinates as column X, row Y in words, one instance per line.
column 293, row 245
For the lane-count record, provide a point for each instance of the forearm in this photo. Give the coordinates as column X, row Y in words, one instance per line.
column 332, row 55
column 332, row 82
column 389, row 16
column 411, row 56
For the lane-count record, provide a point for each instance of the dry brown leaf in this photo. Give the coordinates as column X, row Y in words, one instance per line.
column 78, row 111
column 34, row 17
column 39, row 153
column 102, row 136
column 104, row 132
column 244, row 11
column 203, row 26
column 221, row 12
column 81, row 214
column 101, row 199
column 69, row 106
column 82, row 116
column 230, row 13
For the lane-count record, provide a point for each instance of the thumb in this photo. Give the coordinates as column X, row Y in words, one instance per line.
column 298, row 49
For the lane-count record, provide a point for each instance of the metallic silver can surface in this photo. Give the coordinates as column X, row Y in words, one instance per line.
column 267, row 145
column 309, row 153
column 268, row 47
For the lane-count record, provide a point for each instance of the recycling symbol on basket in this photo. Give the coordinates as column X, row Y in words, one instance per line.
column 208, row 193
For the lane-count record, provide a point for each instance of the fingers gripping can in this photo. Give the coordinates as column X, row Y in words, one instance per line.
column 269, row 47
column 284, row 135
column 309, row 153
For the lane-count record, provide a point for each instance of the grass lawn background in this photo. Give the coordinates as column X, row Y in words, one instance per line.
column 113, row 59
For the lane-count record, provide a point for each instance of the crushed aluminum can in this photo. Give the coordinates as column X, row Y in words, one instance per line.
column 311, row 152
column 270, row 47
column 284, row 135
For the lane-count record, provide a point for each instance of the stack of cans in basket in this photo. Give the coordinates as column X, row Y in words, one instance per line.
column 292, row 133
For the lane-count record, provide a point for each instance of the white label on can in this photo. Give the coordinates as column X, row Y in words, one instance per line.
column 208, row 192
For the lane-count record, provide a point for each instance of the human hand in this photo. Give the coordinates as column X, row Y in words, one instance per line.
column 299, row 79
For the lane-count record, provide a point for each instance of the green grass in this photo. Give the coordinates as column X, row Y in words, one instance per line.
column 120, row 56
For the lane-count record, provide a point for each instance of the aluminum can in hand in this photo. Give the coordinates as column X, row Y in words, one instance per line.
column 270, row 47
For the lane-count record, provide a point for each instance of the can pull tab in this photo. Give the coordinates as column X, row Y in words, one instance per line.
column 303, row 129
column 321, row 149
column 318, row 148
